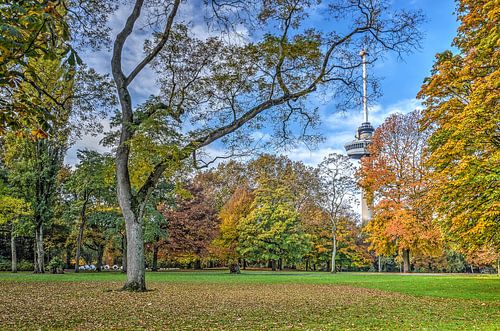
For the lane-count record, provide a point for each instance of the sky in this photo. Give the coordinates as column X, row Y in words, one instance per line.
column 401, row 80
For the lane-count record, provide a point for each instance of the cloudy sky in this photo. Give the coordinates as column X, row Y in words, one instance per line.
column 400, row 84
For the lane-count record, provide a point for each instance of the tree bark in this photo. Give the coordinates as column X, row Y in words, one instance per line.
column 334, row 252
column 13, row 250
column 100, row 253
column 78, row 247
column 136, row 280
column 124, row 253
column 406, row 260
column 155, row 258
column 197, row 264
column 68, row 257
column 379, row 264
column 40, row 253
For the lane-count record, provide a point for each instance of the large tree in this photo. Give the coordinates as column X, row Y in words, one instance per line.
column 461, row 100
column 394, row 178
column 216, row 88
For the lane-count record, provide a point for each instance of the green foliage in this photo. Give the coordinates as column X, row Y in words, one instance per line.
column 5, row 265
column 272, row 229
column 25, row 265
column 56, row 265
column 30, row 30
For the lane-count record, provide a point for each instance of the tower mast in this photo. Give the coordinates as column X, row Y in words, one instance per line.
column 363, row 55
column 358, row 148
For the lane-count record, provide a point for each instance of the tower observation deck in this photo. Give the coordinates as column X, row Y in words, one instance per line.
column 358, row 148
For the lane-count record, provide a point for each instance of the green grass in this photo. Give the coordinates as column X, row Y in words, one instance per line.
column 481, row 287
column 251, row 300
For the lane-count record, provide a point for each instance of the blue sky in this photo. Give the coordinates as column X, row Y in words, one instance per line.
column 400, row 84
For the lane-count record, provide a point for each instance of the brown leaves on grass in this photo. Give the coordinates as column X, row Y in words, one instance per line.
column 201, row 306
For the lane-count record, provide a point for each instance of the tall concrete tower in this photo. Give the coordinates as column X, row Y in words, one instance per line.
column 358, row 148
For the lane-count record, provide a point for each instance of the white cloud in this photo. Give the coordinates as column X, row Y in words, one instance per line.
column 90, row 142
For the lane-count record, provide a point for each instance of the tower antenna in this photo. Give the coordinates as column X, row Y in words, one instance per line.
column 363, row 55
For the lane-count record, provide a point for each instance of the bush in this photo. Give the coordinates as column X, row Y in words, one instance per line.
column 56, row 265
column 5, row 265
column 25, row 265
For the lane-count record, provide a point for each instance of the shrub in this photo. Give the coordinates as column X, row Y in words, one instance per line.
column 5, row 265
column 25, row 265
column 56, row 265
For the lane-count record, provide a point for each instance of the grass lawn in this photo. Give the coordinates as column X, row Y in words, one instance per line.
column 253, row 300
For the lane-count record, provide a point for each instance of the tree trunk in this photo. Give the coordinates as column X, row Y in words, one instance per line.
column 280, row 264
column 197, row 264
column 273, row 265
column 307, row 264
column 39, row 259
column 100, row 253
column 13, row 250
column 155, row 258
column 136, row 280
column 244, row 264
column 406, row 260
column 334, row 252
column 79, row 246
column 379, row 264
column 68, row 257
column 234, row 267
column 124, row 253
column 83, row 218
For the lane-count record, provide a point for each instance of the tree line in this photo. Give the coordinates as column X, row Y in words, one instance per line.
column 224, row 87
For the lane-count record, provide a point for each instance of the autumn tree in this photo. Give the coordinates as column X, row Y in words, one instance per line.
column 394, row 178
column 222, row 182
column 231, row 214
column 192, row 225
column 338, row 187
column 461, row 106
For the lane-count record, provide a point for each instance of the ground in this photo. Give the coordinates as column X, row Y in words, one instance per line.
column 253, row 300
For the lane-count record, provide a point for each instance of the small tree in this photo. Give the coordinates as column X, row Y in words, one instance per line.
column 338, row 187
column 91, row 186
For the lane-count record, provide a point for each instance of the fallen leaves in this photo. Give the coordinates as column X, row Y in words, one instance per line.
column 218, row 306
